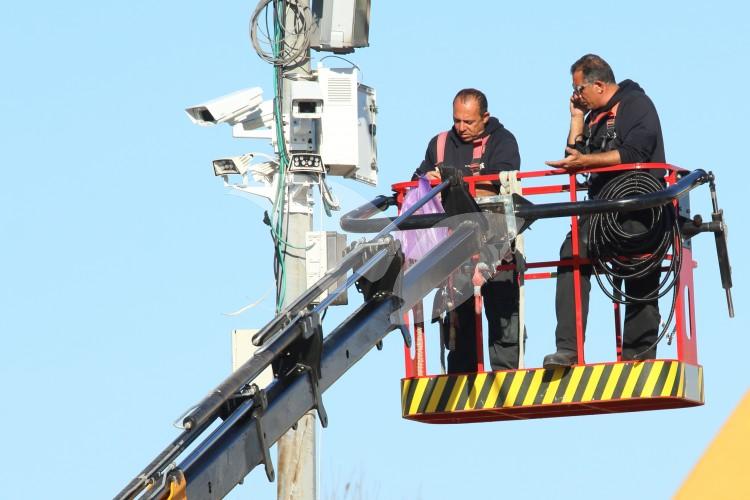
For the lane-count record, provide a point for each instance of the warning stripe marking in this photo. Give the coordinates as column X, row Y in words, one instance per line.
column 532, row 387
column 591, row 386
column 557, row 375
column 653, row 375
column 404, row 389
column 418, row 394
column 573, row 384
column 497, row 383
column 453, row 399
column 435, row 397
column 536, row 383
column 476, row 390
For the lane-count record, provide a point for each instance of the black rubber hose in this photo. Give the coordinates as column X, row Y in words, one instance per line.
column 619, row 253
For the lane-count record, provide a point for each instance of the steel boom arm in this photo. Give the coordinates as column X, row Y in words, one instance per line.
column 241, row 442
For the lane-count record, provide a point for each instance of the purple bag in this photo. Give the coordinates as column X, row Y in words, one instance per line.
column 417, row 242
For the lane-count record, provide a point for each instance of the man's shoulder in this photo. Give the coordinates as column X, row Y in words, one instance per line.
column 636, row 101
column 502, row 134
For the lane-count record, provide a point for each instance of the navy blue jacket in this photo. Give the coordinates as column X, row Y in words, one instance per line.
column 500, row 152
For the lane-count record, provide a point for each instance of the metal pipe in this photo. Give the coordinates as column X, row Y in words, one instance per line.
column 529, row 212
column 410, row 211
column 694, row 179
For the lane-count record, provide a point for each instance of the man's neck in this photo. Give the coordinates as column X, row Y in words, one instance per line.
column 610, row 92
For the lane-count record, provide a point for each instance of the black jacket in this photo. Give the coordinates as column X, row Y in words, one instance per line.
column 637, row 131
column 500, row 153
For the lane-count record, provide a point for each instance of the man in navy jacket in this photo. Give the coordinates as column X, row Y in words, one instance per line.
column 479, row 144
column 610, row 124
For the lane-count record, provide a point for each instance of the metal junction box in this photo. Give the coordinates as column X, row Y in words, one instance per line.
column 341, row 25
column 324, row 250
column 348, row 126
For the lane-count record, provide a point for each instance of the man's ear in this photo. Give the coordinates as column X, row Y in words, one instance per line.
column 486, row 117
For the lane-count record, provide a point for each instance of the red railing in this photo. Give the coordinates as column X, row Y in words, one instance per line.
column 685, row 330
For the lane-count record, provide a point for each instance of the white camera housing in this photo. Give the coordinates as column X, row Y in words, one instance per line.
column 231, row 108
column 258, row 124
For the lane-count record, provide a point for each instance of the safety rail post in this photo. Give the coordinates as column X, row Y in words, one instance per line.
column 576, row 272
column 478, row 332
column 685, row 326
column 420, row 357
column 415, row 365
column 685, row 330
column 471, row 184
column 410, row 367
column 618, row 330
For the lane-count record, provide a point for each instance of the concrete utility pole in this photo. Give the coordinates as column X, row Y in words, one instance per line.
column 297, row 471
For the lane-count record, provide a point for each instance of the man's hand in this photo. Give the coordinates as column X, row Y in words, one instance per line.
column 433, row 175
column 574, row 160
column 577, row 107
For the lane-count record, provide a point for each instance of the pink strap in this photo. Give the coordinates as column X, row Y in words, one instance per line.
column 442, row 136
column 476, row 160
column 479, row 146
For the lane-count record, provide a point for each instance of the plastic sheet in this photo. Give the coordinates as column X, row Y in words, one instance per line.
column 418, row 242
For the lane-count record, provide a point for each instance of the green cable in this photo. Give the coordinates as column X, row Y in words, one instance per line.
column 277, row 218
column 278, row 205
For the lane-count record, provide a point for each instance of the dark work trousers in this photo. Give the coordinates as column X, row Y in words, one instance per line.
column 501, row 309
column 641, row 319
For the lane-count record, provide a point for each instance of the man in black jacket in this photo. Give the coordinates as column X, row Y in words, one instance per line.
column 478, row 144
column 610, row 124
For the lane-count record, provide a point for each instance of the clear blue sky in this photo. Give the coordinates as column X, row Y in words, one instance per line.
column 120, row 250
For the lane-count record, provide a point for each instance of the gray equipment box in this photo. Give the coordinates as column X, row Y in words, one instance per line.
column 324, row 250
column 340, row 25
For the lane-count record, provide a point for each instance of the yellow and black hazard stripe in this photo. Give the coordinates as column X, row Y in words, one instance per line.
column 536, row 387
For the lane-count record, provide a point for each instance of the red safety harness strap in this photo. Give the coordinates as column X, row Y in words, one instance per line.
column 476, row 157
column 610, row 115
column 442, row 137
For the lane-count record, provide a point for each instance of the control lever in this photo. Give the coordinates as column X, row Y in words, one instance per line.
column 722, row 250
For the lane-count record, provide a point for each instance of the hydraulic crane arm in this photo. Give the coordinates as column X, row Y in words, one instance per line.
column 255, row 418
column 241, row 442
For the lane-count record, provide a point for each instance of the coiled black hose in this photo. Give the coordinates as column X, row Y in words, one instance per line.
column 625, row 246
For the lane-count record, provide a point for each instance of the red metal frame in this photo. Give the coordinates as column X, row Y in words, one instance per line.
column 685, row 308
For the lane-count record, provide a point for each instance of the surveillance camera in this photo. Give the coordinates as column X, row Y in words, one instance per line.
column 232, row 165
column 261, row 117
column 231, row 108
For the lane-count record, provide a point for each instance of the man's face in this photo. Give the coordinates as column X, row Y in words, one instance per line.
column 468, row 122
column 586, row 94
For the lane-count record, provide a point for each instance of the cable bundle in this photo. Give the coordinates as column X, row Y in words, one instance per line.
column 621, row 249
column 273, row 42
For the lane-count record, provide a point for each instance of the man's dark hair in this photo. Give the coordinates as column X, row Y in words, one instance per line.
column 593, row 68
column 466, row 94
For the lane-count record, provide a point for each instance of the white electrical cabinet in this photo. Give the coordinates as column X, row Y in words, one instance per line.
column 324, row 250
column 348, row 125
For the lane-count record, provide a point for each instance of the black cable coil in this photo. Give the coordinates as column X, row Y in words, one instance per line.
column 625, row 246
